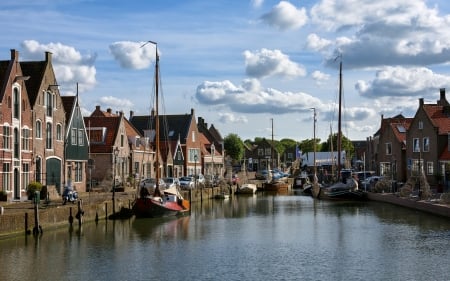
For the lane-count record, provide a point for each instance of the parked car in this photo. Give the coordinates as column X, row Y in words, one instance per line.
column 262, row 175
column 151, row 183
column 187, row 182
column 171, row 182
column 369, row 183
column 200, row 178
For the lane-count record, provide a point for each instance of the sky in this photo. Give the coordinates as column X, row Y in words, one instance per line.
column 255, row 68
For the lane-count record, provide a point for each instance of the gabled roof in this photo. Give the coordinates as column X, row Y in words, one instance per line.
column 171, row 127
column 69, row 105
column 439, row 117
column 36, row 71
column 102, row 132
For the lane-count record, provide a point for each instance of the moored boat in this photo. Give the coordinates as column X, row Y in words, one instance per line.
column 276, row 186
column 247, row 188
column 168, row 202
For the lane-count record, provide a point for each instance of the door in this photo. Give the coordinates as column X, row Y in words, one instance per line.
column 53, row 174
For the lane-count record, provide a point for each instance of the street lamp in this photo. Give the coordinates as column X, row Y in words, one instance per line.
column 213, row 148
column 116, row 153
column 195, row 171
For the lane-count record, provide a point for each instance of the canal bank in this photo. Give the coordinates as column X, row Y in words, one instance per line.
column 19, row 218
column 429, row 206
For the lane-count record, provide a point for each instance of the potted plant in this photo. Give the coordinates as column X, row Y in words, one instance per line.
column 32, row 188
column 3, row 196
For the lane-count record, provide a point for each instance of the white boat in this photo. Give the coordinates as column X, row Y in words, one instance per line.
column 247, row 188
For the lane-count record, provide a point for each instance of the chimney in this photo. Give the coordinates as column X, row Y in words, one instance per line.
column 109, row 110
column 421, row 102
column 48, row 57
column 131, row 114
column 192, row 111
column 14, row 55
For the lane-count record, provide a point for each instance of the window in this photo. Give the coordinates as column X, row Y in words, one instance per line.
column 59, row 132
column 74, row 136
column 25, row 139
column 6, row 176
column 193, row 136
column 137, row 142
column 6, row 137
column 49, row 104
column 136, row 168
column 49, row 140
column 388, row 148
column 268, row 151
column 430, row 168
column 16, row 143
column 416, row 145
column 78, row 171
column 426, row 144
column 25, row 174
column 80, row 137
column 192, row 153
column 420, row 125
column 38, row 129
column 16, row 102
column 260, row 151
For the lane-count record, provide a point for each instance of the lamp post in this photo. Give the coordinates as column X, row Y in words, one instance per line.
column 115, row 154
column 195, row 171
column 213, row 148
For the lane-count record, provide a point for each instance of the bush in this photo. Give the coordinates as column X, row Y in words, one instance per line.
column 32, row 188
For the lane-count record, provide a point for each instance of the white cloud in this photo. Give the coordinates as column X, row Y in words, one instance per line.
column 286, row 16
column 133, row 55
column 401, row 81
column 320, row 77
column 257, row 3
column 266, row 63
column 232, row 118
column 71, row 67
column 315, row 43
column 116, row 103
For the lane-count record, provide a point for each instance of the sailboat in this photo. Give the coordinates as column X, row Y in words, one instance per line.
column 274, row 184
column 347, row 186
column 162, row 203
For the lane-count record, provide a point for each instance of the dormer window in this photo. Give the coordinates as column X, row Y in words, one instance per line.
column 16, row 103
column 49, row 103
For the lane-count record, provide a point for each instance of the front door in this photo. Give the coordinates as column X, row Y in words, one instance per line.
column 16, row 184
column 53, row 175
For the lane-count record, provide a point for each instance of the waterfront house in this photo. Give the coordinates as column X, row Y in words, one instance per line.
column 16, row 165
column 179, row 138
column 108, row 148
column 212, row 148
column 393, row 146
column 427, row 141
column 262, row 155
column 76, row 145
column 48, row 120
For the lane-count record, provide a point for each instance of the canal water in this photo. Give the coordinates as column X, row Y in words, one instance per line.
column 261, row 237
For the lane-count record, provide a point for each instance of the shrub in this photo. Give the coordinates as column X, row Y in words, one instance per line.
column 32, row 188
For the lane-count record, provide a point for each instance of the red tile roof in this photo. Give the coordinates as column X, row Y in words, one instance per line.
column 437, row 116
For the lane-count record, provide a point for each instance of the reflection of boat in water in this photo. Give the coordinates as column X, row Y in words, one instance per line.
column 247, row 188
column 169, row 202
column 222, row 195
column 165, row 227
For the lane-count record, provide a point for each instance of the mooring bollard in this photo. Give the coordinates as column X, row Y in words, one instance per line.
column 80, row 212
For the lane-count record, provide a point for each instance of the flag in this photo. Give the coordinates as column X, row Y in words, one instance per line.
column 298, row 152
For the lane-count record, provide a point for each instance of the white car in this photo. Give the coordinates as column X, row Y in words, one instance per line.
column 187, row 182
column 151, row 183
column 369, row 183
column 171, row 182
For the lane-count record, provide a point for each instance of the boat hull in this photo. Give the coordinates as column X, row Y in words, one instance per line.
column 276, row 186
column 154, row 208
column 343, row 192
column 248, row 188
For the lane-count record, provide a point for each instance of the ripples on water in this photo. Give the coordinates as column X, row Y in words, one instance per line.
column 262, row 237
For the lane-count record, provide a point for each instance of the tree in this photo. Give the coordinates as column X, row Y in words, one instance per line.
column 234, row 147
column 308, row 145
column 347, row 145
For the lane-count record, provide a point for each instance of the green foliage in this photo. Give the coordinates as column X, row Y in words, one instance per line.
column 308, row 145
column 347, row 145
column 33, row 187
column 234, row 147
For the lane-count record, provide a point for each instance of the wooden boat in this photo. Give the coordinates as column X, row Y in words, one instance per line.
column 276, row 186
column 222, row 195
column 159, row 204
column 247, row 188
column 347, row 187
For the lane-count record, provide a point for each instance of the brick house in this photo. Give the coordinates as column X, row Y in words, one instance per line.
column 76, row 145
column 179, row 141
column 48, row 121
column 263, row 156
column 427, row 140
column 108, row 148
column 212, row 148
column 16, row 128
column 392, row 147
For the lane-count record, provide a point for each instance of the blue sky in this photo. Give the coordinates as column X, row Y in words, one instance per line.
column 239, row 63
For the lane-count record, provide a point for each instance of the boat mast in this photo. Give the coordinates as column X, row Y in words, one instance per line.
column 271, row 147
column 339, row 136
column 158, row 176
column 314, row 143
